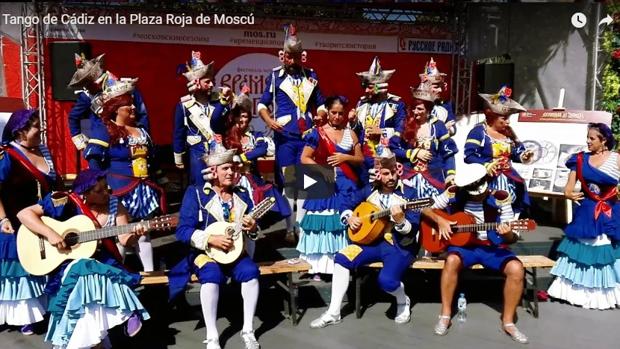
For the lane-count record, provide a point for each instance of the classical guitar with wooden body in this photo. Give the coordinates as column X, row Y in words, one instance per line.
column 375, row 220
column 464, row 232
column 80, row 236
column 235, row 232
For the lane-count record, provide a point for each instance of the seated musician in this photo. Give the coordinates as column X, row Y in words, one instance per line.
column 87, row 296
column 474, row 197
column 222, row 202
column 396, row 248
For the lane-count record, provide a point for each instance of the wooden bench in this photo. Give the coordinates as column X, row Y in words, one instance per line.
column 530, row 264
column 286, row 266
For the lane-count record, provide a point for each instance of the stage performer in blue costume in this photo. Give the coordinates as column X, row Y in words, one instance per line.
column 88, row 296
column 442, row 110
column 201, row 206
column 425, row 149
column 26, row 175
column 232, row 121
column 396, row 248
column 585, row 269
column 473, row 196
column 292, row 91
column 379, row 115
column 192, row 118
column 494, row 144
column 88, row 79
column 126, row 152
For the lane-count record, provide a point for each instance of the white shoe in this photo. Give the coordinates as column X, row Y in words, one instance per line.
column 403, row 312
column 325, row 320
column 442, row 326
column 212, row 343
column 515, row 334
column 250, row 340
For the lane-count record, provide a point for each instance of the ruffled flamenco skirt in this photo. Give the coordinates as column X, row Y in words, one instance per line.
column 322, row 234
column 93, row 298
column 587, row 273
column 22, row 300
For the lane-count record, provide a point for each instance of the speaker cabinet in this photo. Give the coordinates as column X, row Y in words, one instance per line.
column 63, row 67
column 491, row 77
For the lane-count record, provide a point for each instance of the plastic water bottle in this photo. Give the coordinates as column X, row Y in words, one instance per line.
column 462, row 307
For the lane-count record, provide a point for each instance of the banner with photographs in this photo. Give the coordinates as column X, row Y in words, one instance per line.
column 553, row 136
column 553, row 141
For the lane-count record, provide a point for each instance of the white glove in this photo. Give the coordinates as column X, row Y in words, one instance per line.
column 178, row 160
column 80, row 141
column 372, row 175
column 207, row 173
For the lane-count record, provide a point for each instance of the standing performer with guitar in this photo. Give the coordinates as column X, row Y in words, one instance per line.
column 201, row 207
column 396, row 248
column 26, row 174
column 494, row 144
column 102, row 280
column 475, row 198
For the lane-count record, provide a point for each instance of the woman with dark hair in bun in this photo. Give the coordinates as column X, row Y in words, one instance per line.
column 585, row 274
column 26, row 175
column 332, row 144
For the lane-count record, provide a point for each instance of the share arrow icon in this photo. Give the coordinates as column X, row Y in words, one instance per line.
column 607, row 20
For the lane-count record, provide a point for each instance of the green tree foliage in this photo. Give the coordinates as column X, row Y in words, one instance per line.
column 610, row 79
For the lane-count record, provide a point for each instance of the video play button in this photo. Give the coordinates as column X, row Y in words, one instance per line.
column 308, row 181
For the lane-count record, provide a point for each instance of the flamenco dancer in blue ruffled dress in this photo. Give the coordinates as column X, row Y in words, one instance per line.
column 333, row 144
column 585, row 270
column 26, row 173
column 88, row 296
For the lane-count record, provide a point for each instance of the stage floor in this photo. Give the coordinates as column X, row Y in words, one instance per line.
column 560, row 326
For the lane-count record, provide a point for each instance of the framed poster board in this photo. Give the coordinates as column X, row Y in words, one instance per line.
column 553, row 136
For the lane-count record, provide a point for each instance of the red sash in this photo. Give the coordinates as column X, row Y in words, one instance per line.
column 601, row 205
column 30, row 167
column 107, row 243
column 331, row 149
column 134, row 183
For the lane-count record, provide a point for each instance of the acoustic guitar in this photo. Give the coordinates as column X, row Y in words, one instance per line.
column 80, row 236
column 235, row 232
column 376, row 221
column 465, row 232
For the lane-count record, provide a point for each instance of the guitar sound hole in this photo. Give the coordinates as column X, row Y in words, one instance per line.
column 71, row 239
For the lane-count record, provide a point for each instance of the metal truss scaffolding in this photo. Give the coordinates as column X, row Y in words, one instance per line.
column 33, row 84
column 462, row 80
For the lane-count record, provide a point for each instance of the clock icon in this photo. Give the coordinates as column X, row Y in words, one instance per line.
column 578, row 20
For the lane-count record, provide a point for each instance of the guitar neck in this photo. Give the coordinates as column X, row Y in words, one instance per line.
column 387, row 211
column 108, row 232
column 474, row 227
